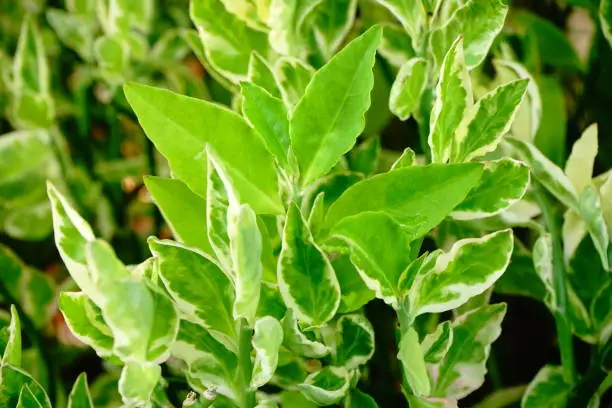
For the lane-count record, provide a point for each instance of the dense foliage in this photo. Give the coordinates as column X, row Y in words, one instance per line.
column 330, row 203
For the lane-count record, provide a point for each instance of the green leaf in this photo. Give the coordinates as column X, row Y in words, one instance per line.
column 358, row 399
column 112, row 52
column 408, row 87
column 210, row 301
column 410, row 13
column 547, row 173
column 85, row 321
column 306, row 277
column 332, row 21
column 286, row 19
column 30, row 68
column 326, row 387
column 137, row 382
column 591, row 212
column 354, row 341
column 454, row 99
column 396, row 46
column 246, row 249
column 102, row 262
column 261, row 74
column 79, row 396
column 168, row 117
column 300, row 343
column 503, row 183
column 579, row 165
column 74, row 30
column 27, row 399
column 355, row 293
column 479, row 22
column 31, row 288
column 228, row 41
column 12, row 351
column 380, row 249
column 605, row 18
column 548, row 388
column 406, row 195
column 605, row 193
column 413, row 362
column 217, row 205
column 406, row 159
column 364, row 157
column 209, row 362
column 551, row 136
column 470, row 267
column 553, row 45
column 463, row 368
column 267, row 340
column 488, row 121
column 327, row 120
column 293, row 77
column 435, row 345
column 71, row 236
column 184, row 211
column 14, row 380
column 268, row 116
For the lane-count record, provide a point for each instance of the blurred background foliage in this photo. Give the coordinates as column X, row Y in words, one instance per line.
column 64, row 118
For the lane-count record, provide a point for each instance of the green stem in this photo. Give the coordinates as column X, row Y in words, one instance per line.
column 588, row 385
column 245, row 365
column 561, row 312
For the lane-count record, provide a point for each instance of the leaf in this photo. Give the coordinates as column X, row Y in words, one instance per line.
column 328, row 118
column 354, row 341
column 168, row 117
column 267, row 340
column 406, row 159
column 364, row 158
column 183, row 210
column 27, row 399
column 547, row 173
column 407, row 194
column 463, row 368
column 287, row 34
column 605, row 193
column 454, row 99
column 408, row 88
column 470, row 267
column 532, row 104
column 503, row 183
column 209, row 362
column 605, row 18
column 228, row 41
column 548, row 387
column 85, row 321
column 326, row 387
column 306, row 277
column 413, row 362
column 246, row 249
column 410, row 13
column 261, row 74
column 14, row 380
column 591, row 212
column 71, row 236
column 579, row 165
column 74, row 30
column 268, row 116
column 79, row 396
column 30, row 68
column 380, row 250
column 33, row 289
column 551, row 136
column 489, row 120
column 137, row 382
column 300, row 343
column 396, row 46
column 217, row 206
column 332, row 21
column 435, row 345
column 293, row 77
column 479, row 22
column 358, row 399
column 12, row 350
column 210, row 301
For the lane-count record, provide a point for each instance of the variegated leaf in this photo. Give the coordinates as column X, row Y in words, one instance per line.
column 354, row 341
column 549, row 388
column 267, row 340
column 299, row 342
column 408, row 87
column 579, row 165
column 413, row 362
column 137, row 383
column 326, row 387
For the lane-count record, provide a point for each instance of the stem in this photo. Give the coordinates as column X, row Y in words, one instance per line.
column 245, row 365
column 588, row 385
column 561, row 312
